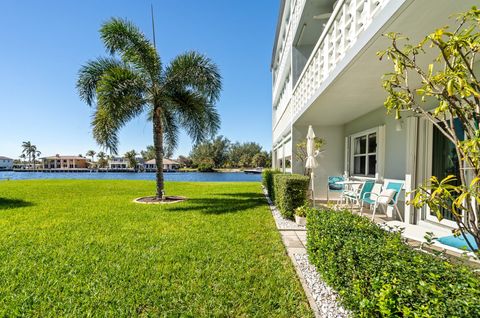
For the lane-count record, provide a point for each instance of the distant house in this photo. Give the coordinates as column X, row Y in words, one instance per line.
column 115, row 163
column 6, row 163
column 168, row 165
column 64, row 162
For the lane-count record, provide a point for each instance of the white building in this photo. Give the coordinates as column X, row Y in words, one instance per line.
column 168, row 165
column 326, row 74
column 6, row 163
column 117, row 163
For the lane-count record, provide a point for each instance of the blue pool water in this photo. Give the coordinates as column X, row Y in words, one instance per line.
column 169, row 176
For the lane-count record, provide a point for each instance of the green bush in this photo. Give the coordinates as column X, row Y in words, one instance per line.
column 267, row 181
column 290, row 192
column 205, row 167
column 378, row 275
column 304, row 209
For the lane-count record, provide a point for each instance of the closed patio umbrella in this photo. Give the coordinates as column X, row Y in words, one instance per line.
column 311, row 161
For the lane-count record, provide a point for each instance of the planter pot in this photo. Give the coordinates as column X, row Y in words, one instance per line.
column 301, row 220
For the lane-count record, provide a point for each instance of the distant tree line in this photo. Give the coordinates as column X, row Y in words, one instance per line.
column 216, row 153
column 220, row 152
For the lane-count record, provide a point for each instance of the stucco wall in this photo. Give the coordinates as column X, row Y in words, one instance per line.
column 330, row 161
column 395, row 141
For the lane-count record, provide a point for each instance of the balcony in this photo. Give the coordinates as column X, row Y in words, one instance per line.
column 350, row 18
column 286, row 45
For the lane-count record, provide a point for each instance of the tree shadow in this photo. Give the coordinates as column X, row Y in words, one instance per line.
column 226, row 203
column 246, row 195
column 6, row 204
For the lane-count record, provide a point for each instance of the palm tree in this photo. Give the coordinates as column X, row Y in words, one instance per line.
column 102, row 162
column 91, row 153
column 31, row 151
column 131, row 157
column 27, row 146
column 35, row 153
column 133, row 81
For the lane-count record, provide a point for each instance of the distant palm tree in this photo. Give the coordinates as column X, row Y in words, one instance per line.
column 26, row 150
column 31, row 151
column 182, row 94
column 91, row 153
column 102, row 162
column 35, row 154
column 131, row 157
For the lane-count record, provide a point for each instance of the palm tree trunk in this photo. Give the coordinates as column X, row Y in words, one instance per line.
column 158, row 144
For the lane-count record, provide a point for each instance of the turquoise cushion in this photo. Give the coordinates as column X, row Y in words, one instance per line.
column 459, row 242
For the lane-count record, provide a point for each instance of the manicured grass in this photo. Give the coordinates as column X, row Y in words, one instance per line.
column 83, row 248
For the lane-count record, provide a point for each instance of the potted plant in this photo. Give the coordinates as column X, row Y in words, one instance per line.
column 301, row 214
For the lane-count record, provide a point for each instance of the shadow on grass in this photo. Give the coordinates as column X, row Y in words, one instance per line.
column 246, row 195
column 6, row 204
column 223, row 203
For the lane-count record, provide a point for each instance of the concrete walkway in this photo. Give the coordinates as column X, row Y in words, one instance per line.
column 295, row 241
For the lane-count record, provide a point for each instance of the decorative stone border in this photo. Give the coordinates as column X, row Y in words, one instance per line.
column 169, row 200
column 324, row 297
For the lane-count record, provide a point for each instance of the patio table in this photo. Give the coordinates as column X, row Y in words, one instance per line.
column 348, row 186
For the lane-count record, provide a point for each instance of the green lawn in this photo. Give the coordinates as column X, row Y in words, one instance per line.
column 83, row 248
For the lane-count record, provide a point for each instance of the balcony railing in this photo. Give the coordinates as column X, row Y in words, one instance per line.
column 296, row 13
column 349, row 19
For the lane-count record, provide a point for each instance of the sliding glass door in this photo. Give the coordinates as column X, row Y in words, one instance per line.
column 444, row 163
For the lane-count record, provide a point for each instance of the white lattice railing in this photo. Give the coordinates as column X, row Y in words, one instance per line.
column 282, row 123
column 296, row 13
column 349, row 19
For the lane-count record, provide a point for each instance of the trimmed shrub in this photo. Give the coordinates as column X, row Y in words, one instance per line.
column 267, row 181
column 378, row 275
column 290, row 192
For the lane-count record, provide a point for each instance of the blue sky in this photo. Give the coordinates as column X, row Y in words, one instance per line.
column 44, row 43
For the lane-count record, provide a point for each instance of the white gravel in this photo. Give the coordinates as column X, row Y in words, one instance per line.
column 325, row 297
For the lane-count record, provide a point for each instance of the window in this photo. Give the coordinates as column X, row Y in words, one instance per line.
column 364, row 154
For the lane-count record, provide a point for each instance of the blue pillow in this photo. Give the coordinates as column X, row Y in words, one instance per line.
column 459, row 242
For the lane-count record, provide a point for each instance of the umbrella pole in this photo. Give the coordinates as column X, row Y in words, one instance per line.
column 313, row 188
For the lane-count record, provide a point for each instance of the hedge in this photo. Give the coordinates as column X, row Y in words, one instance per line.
column 378, row 275
column 267, row 181
column 290, row 192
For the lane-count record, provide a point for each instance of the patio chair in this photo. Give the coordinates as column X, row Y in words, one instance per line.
column 333, row 186
column 388, row 197
column 357, row 193
column 368, row 196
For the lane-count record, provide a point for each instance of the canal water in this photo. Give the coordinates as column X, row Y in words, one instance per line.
column 169, row 176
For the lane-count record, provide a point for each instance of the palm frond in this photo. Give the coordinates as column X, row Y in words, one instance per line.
column 105, row 130
column 120, row 98
column 90, row 74
column 124, row 38
column 197, row 72
column 170, row 131
column 195, row 113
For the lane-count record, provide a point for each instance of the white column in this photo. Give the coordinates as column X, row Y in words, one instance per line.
column 381, row 140
column 411, row 166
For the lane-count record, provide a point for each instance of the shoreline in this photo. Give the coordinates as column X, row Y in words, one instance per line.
column 123, row 171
